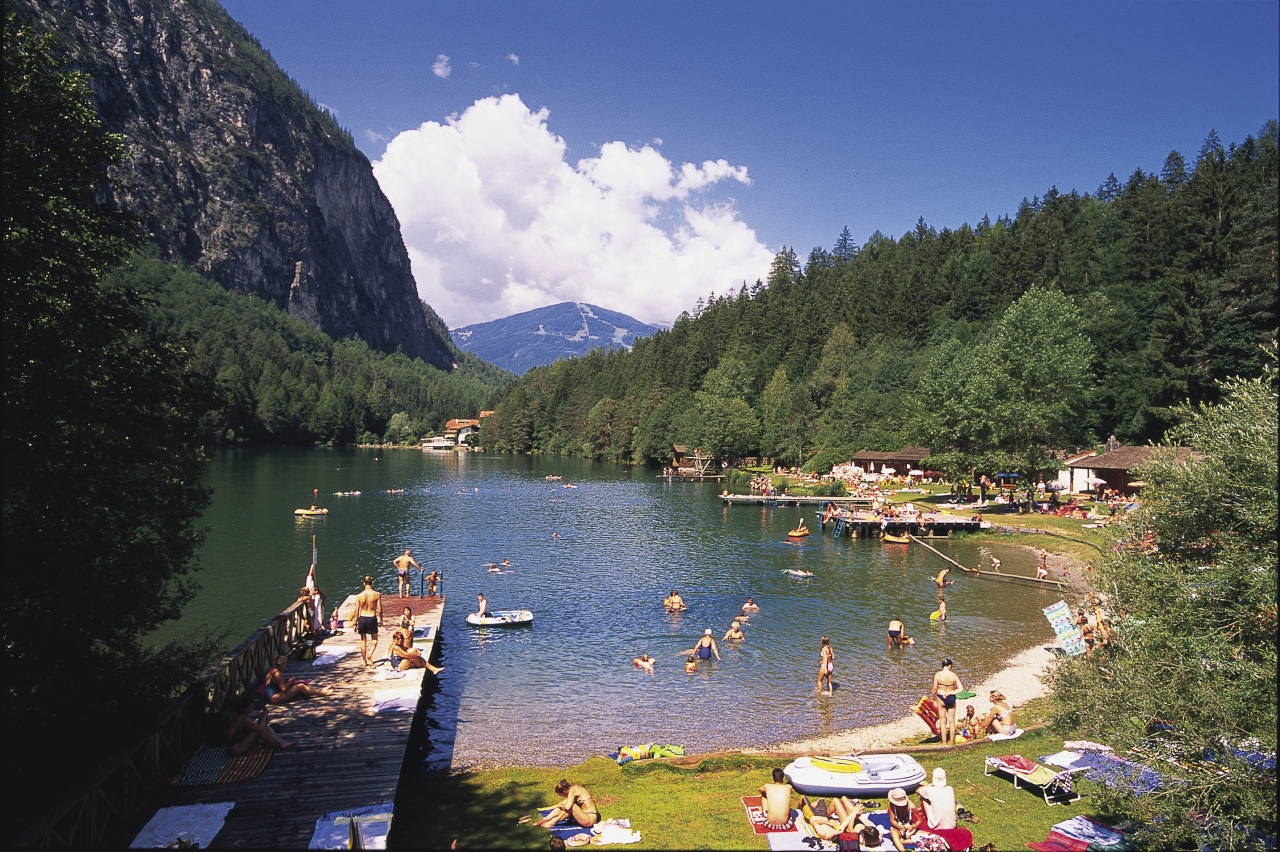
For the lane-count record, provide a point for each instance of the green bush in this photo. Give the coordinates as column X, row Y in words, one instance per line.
column 834, row 488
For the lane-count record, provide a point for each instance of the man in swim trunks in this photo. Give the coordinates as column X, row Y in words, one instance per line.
column 402, row 564
column 368, row 616
column 941, row 579
column 946, row 685
column 895, row 633
column 775, row 796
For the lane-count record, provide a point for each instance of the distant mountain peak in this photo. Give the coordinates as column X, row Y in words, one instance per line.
column 545, row 335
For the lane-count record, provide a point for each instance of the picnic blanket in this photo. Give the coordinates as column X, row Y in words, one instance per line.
column 759, row 822
column 216, row 765
column 1110, row 769
column 333, row 830
column 197, row 824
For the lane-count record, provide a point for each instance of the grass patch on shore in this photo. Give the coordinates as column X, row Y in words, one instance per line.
column 696, row 804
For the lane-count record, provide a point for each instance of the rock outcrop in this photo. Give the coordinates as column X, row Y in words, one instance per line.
column 238, row 173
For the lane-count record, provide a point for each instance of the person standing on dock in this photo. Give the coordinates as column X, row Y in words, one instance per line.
column 402, row 564
column 368, row 617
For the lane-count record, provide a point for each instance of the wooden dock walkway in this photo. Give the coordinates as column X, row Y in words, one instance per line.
column 347, row 754
column 790, row 500
column 992, row 575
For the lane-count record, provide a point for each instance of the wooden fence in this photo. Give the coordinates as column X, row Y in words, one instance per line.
column 114, row 796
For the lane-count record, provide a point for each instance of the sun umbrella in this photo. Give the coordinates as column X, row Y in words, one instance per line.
column 915, row 471
column 888, row 470
column 1093, row 480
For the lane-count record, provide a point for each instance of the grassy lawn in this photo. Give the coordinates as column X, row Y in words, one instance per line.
column 697, row 805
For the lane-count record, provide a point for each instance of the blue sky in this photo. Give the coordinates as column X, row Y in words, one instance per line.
column 799, row 120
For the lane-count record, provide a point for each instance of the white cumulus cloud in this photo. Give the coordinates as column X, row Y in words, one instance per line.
column 497, row 222
column 441, row 67
column 513, row 59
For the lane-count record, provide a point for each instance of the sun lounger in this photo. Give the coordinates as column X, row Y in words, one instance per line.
column 1055, row 787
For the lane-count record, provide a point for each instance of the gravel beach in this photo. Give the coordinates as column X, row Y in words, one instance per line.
column 1019, row 680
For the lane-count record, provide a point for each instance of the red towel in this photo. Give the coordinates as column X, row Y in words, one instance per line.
column 1018, row 763
column 958, row 839
column 1059, row 842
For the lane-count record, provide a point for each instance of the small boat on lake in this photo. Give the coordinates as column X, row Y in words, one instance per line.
column 854, row 775
column 501, row 618
column 798, row 532
column 313, row 512
column 895, row 539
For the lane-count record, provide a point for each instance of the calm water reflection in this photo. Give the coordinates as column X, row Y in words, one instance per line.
column 565, row 688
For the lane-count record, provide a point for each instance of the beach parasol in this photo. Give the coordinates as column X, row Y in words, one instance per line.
column 915, row 471
column 888, row 470
column 1093, row 480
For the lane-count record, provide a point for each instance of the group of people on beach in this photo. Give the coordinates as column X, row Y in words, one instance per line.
column 908, row 823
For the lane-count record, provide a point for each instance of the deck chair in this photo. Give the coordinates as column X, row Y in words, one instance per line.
column 1056, row 787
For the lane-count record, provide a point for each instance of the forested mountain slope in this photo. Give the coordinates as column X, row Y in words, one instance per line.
column 237, row 173
column 1171, row 279
column 277, row 380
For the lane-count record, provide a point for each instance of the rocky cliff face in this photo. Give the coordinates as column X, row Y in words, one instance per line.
column 237, row 173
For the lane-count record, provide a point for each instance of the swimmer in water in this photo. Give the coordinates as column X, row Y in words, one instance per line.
column 691, row 664
column 750, row 605
column 941, row 580
column 707, row 646
column 494, row 569
column 895, row 634
column 555, row 535
column 995, row 564
column 643, row 662
column 942, row 608
column 674, row 603
column 506, row 563
column 734, row 633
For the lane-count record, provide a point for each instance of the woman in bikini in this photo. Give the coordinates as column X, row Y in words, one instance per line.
column 826, row 665
column 404, row 656
column 281, row 689
column 406, row 623
column 999, row 719
column 244, row 730
column 577, row 804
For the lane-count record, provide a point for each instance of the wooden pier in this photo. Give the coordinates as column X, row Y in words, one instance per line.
column 992, row 575
column 789, row 500
column 347, row 753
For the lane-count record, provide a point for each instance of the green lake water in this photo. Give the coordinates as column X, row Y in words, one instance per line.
column 565, row 688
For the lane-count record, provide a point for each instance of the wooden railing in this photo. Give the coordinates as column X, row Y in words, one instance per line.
column 117, row 792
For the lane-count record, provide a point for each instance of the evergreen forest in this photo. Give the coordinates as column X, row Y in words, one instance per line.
column 277, row 380
column 1080, row 317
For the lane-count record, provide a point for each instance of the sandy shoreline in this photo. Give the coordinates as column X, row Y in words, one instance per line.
column 1020, row 680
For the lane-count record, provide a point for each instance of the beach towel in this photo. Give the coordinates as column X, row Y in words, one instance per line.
column 1012, row 736
column 197, row 824
column 759, row 822
column 1082, row 828
column 1058, row 842
column 1119, row 772
column 333, row 830
column 396, row 700
column 799, row 841
column 328, row 658
column 216, row 765
column 956, row 838
column 613, row 832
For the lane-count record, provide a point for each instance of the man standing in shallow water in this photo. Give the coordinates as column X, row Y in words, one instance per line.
column 368, row 616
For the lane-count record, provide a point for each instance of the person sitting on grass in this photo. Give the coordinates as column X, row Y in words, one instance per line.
column 775, row 795
column 281, row 689
column 849, row 817
column 404, row 656
column 938, row 801
column 999, row 719
column 903, row 817
column 577, row 805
